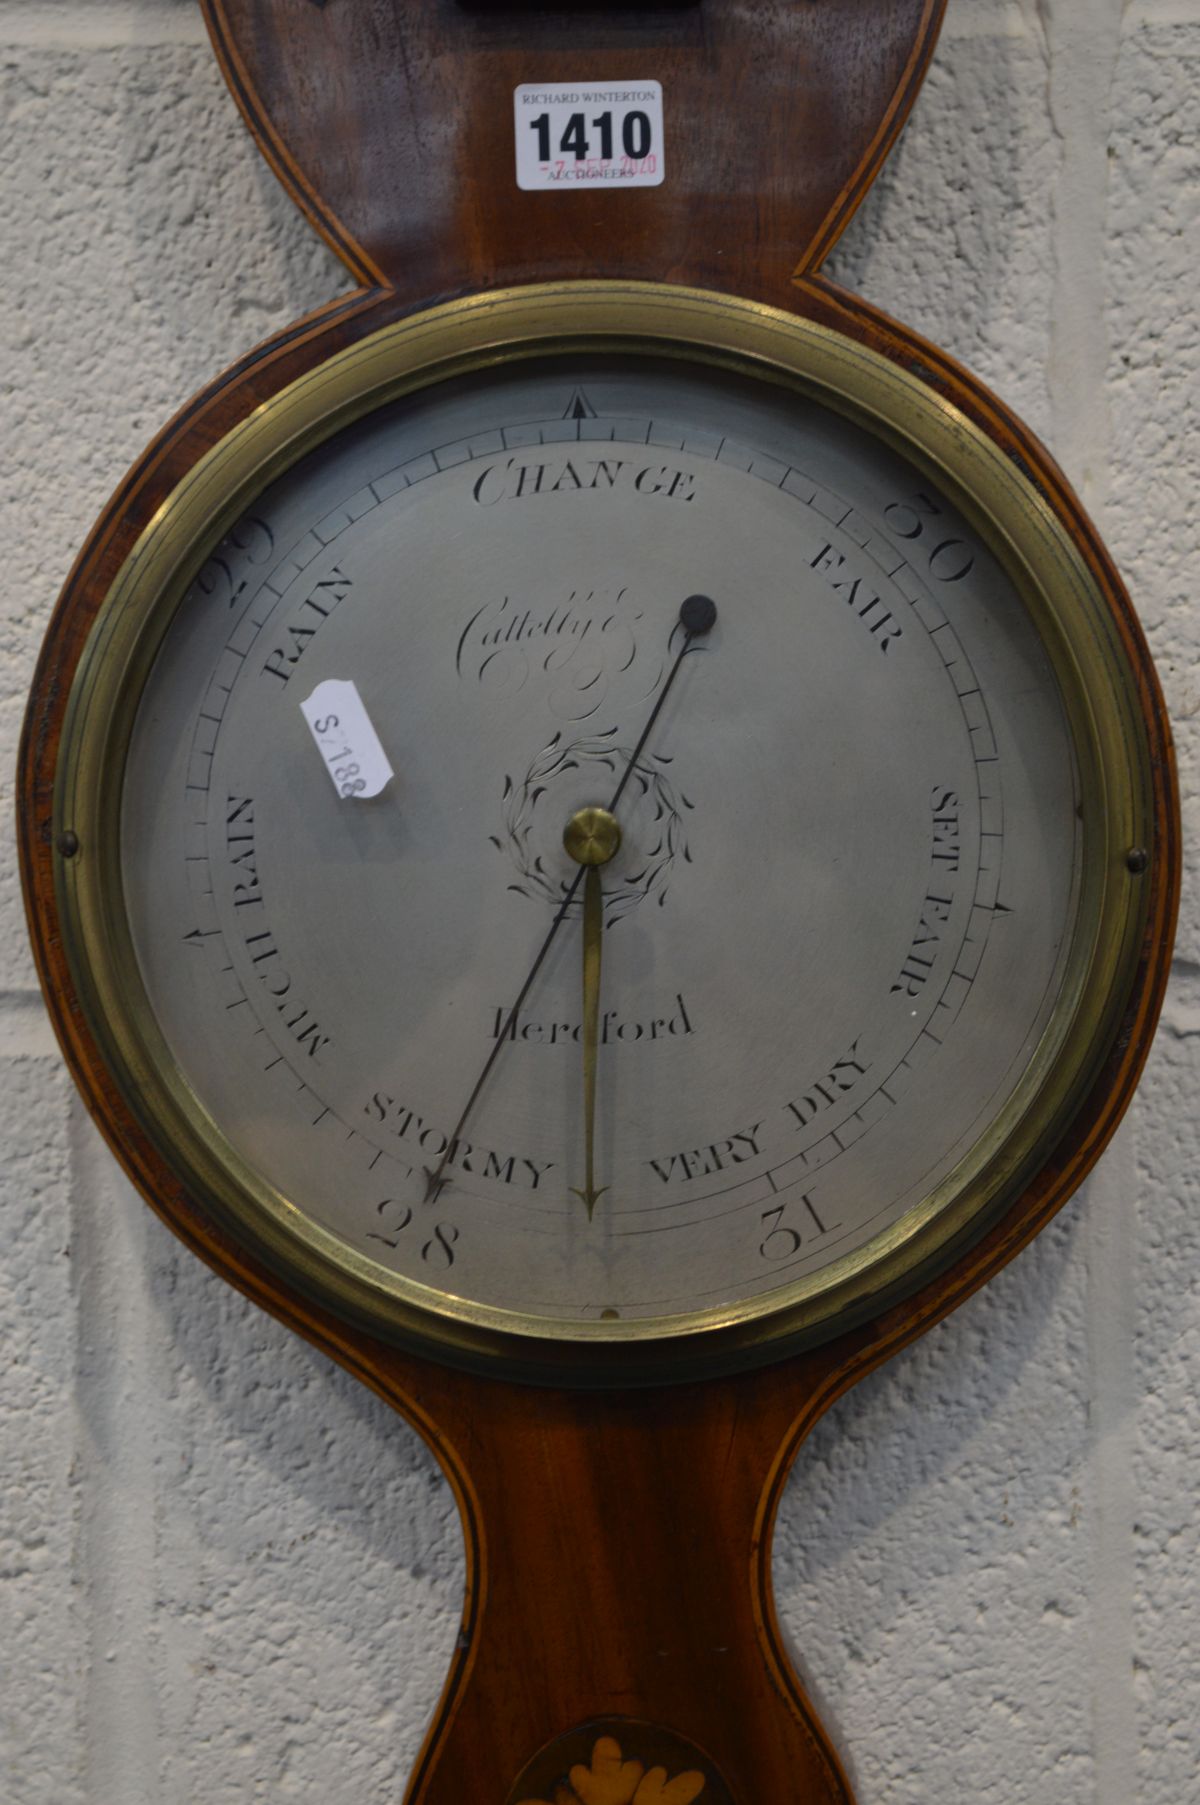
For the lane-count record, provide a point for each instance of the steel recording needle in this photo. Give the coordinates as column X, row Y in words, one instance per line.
column 697, row 616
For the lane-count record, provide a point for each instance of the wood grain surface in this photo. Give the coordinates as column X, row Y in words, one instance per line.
column 391, row 126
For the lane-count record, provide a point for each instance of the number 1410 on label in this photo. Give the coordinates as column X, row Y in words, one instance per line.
column 636, row 138
column 607, row 135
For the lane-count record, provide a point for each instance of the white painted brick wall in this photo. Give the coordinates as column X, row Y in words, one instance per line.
column 226, row 1572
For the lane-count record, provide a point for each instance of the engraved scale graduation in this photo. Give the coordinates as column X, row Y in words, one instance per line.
column 598, row 827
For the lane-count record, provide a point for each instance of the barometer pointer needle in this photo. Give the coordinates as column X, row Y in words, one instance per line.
column 592, row 837
column 697, row 616
column 593, row 937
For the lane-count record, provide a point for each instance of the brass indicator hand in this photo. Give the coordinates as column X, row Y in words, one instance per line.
column 591, row 837
column 697, row 616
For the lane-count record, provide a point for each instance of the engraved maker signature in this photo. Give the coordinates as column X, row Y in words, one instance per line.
column 577, row 646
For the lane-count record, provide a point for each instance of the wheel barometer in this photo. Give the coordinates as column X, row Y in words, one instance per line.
column 598, row 826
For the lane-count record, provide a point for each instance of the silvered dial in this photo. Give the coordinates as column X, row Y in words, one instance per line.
column 835, row 930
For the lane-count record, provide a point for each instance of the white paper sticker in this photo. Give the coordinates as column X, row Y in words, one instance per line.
column 346, row 740
column 573, row 135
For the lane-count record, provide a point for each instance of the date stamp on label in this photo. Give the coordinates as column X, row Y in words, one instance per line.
column 572, row 135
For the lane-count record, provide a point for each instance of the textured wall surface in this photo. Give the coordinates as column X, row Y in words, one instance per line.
column 226, row 1572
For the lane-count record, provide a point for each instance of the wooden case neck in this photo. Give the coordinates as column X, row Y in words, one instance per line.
column 391, row 126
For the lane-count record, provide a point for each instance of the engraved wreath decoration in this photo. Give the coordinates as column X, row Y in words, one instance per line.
column 647, row 785
column 611, row 1781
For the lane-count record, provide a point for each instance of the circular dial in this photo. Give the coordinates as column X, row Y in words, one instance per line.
column 602, row 841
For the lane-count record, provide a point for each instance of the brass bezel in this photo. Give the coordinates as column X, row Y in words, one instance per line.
column 469, row 336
